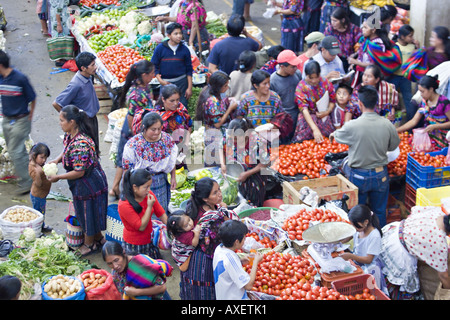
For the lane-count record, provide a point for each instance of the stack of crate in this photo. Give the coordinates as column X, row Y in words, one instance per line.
column 104, row 98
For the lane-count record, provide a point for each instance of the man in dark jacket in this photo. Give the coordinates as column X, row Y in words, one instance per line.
column 173, row 64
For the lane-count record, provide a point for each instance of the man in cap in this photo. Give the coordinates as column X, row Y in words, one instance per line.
column 331, row 65
column 312, row 41
column 284, row 82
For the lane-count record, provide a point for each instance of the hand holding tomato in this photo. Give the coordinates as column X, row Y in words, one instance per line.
column 318, row 137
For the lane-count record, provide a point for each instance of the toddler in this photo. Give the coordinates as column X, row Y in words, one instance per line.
column 40, row 187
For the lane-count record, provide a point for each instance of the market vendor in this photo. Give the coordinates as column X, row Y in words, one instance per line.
column 154, row 150
column 173, row 64
column 421, row 236
column 85, row 176
column 315, row 98
column 205, row 206
column 434, row 109
column 369, row 138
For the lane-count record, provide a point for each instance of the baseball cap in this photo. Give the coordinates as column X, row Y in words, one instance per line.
column 314, row 36
column 288, row 56
column 331, row 44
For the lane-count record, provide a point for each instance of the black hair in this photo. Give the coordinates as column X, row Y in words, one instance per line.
column 172, row 27
column 134, row 76
column 232, row 230
column 235, row 25
column 447, row 224
column 429, row 82
column 368, row 95
column 341, row 14
column 404, row 31
column 376, row 71
column 150, row 119
column 312, row 67
column 166, row 92
column 345, row 86
column 173, row 222
column 113, row 248
column 10, row 286
column 247, row 60
column 84, row 59
column 39, row 148
column 242, row 124
column 383, row 34
column 216, row 82
column 444, row 34
column 274, row 51
column 361, row 212
column 202, row 190
column 257, row 77
column 4, row 59
column 136, row 177
column 388, row 12
column 72, row 112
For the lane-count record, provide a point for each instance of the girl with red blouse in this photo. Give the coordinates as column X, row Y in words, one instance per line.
column 136, row 209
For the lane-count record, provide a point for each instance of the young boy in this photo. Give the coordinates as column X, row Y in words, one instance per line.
column 231, row 280
column 173, row 64
column 343, row 105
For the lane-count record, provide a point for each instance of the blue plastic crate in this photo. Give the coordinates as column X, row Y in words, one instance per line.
column 418, row 176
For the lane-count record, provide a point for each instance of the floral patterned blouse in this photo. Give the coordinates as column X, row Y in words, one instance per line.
column 347, row 39
column 185, row 14
column 259, row 112
column 138, row 98
column 306, row 95
column 59, row 7
column 157, row 157
column 173, row 120
column 79, row 152
column 295, row 6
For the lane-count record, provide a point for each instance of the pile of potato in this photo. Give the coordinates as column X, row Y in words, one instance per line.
column 61, row 287
column 18, row 215
column 92, row 280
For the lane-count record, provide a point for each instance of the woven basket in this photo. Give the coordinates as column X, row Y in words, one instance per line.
column 74, row 234
column 114, row 225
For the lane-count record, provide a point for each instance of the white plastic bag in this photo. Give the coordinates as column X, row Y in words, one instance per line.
column 12, row 231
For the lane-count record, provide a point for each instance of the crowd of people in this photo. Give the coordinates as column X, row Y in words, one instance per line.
column 305, row 89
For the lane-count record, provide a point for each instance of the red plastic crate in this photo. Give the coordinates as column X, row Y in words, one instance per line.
column 410, row 197
column 355, row 285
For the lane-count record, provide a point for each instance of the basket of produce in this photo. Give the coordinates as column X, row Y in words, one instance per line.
column 428, row 169
column 15, row 219
column 360, row 287
column 260, row 213
column 63, row 287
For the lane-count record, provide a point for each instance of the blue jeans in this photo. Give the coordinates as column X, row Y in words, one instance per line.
column 403, row 86
column 373, row 188
column 38, row 203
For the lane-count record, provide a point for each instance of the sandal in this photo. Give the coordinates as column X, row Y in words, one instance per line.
column 114, row 194
column 92, row 249
column 100, row 242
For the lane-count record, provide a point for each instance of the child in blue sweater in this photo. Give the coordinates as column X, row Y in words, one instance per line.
column 173, row 64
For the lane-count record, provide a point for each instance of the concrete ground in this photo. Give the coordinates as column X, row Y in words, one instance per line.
column 28, row 51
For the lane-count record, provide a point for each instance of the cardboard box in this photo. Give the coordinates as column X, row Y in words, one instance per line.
column 327, row 188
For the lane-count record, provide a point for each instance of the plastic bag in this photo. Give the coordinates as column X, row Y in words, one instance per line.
column 421, row 141
column 13, row 231
column 107, row 291
column 230, row 190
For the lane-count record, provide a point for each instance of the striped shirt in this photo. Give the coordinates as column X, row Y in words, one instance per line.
column 16, row 93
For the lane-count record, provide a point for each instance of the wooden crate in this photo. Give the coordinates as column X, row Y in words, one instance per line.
column 327, row 188
column 101, row 91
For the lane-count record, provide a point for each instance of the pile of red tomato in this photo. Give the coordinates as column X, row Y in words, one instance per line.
column 118, row 60
column 90, row 3
column 365, row 295
column 290, row 277
column 265, row 241
column 398, row 166
column 425, row 159
column 306, row 158
column 296, row 224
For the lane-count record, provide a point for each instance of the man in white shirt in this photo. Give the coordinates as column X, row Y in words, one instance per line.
column 331, row 65
column 230, row 278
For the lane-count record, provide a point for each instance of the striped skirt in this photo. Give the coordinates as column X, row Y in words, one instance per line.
column 90, row 200
column 304, row 132
column 161, row 188
column 197, row 282
column 147, row 249
column 292, row 33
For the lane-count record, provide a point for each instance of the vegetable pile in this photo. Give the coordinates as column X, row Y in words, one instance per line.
column 61, row 287
column 398, row 166
column 118, row 60
column 306, row 158
column 34, row 261
column 92, row 280
column 19, row 215
column 299, row 222
column 427, row 160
